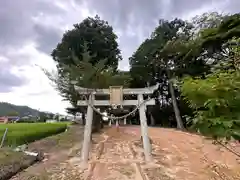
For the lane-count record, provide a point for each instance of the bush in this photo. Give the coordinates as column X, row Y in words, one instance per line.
column 216, row 101
column 22, row 133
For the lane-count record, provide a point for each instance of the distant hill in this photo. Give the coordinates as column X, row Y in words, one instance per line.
column 7, row 108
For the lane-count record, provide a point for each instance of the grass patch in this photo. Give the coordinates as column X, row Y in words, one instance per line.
column 60, row 141
column 24, row 133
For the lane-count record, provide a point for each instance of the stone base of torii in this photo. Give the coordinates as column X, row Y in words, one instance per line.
column 94, row 103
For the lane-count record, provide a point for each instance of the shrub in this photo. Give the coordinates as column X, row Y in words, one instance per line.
column 216, row 101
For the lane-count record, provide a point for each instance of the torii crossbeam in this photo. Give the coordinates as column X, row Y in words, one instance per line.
column 139, row 102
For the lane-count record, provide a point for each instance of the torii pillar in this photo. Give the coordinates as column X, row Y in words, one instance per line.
column 144, row 130
column 92, row 102
column 87, row 131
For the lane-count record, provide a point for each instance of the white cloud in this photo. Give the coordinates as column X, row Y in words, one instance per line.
column 38, row 92
column 212, row 6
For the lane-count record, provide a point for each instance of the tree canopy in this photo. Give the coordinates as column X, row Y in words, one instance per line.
column 99, row 37
column 94, row 36
column 196, row 63
column 196, row 49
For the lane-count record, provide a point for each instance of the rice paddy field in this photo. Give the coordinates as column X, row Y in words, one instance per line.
column 24, row 133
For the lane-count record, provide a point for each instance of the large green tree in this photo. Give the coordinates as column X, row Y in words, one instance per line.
column 95, row 76
column 142, row 67
column 100, row 39
column 93, row 34
column 155, row 58
column 216, row 100
column 215, row 97
column 178, row 48
column 215, row 37
column 213, row 41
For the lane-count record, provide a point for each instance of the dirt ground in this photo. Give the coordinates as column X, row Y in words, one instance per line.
column 12, row 162
column 118, row 155
column 56, row 149
column 185, row 156
column 176, row 155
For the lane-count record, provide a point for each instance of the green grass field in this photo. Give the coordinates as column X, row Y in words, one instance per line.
column 22, row 133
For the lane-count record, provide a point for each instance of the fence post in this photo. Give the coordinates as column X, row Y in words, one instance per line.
column 3, row 138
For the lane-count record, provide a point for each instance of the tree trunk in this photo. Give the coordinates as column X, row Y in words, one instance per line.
column 97, row 120
column 83, row 118
column 152, row 120
column 175, row 107
column 174, row 102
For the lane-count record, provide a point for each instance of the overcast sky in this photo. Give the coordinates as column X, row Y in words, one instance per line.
column 30, row 29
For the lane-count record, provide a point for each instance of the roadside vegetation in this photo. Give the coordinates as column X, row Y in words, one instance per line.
column 12, row 162
column 24, row 133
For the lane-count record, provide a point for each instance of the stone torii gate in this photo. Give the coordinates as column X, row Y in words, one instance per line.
column 116, row 99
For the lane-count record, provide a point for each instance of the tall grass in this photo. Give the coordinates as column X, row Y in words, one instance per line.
column 22, row 133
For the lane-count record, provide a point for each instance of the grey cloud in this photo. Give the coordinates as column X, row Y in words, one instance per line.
column 128, row 44
column 178, row 8
column 122, row 13
column 8, row 80
column 141, row 12
column 17, row 26
column 233, row 6
column 47, row 38
column 131, row 42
